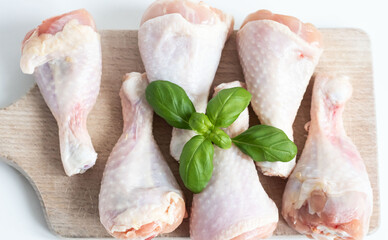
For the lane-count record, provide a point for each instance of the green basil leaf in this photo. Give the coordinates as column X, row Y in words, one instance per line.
column 200, row 123
column 266, row 143
column 196, row 163
column 220, row 138
column 227, row 105
column 170, row 102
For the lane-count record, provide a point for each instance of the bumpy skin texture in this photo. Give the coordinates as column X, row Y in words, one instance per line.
column 64, row 54
column 328, row 195
column 277, row 64
column 139, row 196
column 234, row 205
column 181, row 41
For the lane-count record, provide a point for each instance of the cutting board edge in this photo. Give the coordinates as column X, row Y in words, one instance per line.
column 13, row 163
column 8, row 160
column 23, row 97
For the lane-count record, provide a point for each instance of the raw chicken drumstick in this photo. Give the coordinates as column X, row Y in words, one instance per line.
column 234, row 205
column 181, row 41
column 64, row 54
column 139, row 196
column 278, row 55
column 328, row 195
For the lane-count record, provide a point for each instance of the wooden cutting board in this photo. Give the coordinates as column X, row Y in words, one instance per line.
column 29, row 134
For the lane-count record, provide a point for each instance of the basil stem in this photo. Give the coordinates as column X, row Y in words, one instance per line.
column 170, row 102
column 227, row 105
column 266, row 143
column 196, row 163
column 220, row 138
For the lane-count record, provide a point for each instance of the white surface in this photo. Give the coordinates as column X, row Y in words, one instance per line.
column 20, row 214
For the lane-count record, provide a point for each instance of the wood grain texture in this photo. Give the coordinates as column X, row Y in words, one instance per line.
column 29, row 134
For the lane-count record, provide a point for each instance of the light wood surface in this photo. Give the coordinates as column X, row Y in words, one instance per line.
column 29, row 134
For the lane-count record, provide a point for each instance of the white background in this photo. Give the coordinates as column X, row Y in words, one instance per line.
column 20, row 214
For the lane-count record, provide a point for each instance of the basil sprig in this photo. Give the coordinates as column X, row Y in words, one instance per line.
column 261, row 142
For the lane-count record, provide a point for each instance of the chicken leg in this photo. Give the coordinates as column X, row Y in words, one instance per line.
column 181, row 41
column 234, row 205
column 278, row 55
column 139, row 196
column 328, row 195
column 64, row 54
